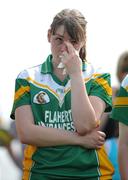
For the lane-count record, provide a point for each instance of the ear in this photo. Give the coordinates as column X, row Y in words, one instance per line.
column 49, row 35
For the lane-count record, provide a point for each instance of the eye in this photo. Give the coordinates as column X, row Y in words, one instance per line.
column 59, row 40
column 73, row 42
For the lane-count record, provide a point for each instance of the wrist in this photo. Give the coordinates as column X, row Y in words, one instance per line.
column 76, row 75
column 78, row 139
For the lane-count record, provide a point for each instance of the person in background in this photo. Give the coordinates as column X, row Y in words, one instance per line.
column 120, row 114
column 111, row 145
column 121, row 70
column 17, row 147
column 110, row 127
column 122, row 66
column 10, row 151
column 58, row 106
column 6, row 139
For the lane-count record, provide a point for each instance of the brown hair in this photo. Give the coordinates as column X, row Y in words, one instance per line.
column 75, row 25
column 122, row 65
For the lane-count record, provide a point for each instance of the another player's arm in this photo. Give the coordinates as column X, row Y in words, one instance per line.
column 123, row 151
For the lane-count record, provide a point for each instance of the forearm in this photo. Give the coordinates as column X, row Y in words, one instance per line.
column 82, row 110
column 44, row 136
column 123, row 150
column 29, row 133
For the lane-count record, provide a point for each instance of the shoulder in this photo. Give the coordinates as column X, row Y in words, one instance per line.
column 29, row 72
column 100, row 72
column 95, row 72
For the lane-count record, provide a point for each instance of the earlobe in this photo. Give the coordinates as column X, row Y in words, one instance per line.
column 49, row 35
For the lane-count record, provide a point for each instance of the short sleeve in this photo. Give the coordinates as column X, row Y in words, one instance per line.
column 120, row 107
column 101, row 87
column 22, row 94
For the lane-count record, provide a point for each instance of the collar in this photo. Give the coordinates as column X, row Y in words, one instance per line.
column 47, row 65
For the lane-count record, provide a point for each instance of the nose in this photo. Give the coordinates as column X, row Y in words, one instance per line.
column 63, row 47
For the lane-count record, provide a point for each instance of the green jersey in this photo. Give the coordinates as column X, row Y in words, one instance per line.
column 120, row 108
column 50, row 100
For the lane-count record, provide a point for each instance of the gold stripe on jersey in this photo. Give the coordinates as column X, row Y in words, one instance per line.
column 67, row 90
column 105, row 165
column 44, row 86
column 21, row 91
column 47, row 87
column 105, row 85
column 87, row 79
column 121, row 101
column 27, row 162
column 96, row 75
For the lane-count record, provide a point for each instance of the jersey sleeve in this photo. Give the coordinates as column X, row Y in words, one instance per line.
column 120, row 107
column 22, row 93
column 101, row 87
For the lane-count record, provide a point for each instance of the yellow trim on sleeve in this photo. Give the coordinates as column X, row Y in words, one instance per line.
column 121, row 101
column 105, row 85
column 21, row 91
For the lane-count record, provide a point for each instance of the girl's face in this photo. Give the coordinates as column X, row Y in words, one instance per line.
column 58, row 43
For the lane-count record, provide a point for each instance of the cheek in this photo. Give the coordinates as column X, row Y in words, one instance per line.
column 52, row 44
column 54, row 48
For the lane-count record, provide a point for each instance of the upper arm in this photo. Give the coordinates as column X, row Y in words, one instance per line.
column 22, row 93
column 122, row 150
column 101, row 91
column 123, row 133
column 24, row 121
column 98, row 106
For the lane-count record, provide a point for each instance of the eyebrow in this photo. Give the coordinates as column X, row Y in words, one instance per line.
column 59, row 35
column 62, row 36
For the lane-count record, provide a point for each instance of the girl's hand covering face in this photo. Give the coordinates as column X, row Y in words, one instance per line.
column 70, row 60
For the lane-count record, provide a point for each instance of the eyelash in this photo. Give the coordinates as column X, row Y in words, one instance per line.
column 73, row 42
column 59, row 39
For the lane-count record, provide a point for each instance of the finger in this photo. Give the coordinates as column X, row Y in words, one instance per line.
column 99, row 144
column 64, row 55
column 71, row 49
column 102, row 134
column 102, row 140
column 99, row 147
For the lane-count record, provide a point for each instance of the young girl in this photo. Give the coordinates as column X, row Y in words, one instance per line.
column 58, row 105
column 120, row 114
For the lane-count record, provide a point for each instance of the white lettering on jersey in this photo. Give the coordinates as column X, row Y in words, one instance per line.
column 57, row 119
